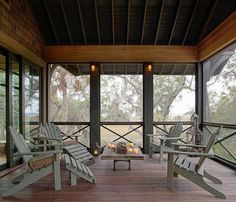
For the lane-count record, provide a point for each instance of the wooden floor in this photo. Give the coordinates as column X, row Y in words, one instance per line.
column 145, row 182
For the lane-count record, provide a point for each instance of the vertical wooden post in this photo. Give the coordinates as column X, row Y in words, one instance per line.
column 147, row 104
column 199, row 97
column 94, row 105
column 9, row 118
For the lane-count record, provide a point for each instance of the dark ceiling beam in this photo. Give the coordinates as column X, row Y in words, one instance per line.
column 97, row 21
column 159, row 21
column 144, row 19
column 81, row 21
column 128, row 18
column 66, row 22
column 210, row 15
column 51, row 21
column 113, row 21
column 190, row 21
column 176, row 17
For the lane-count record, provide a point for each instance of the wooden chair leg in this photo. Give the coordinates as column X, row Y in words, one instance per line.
column 57, row 174
column 170, row 171
column 211, row 177
column 150, row 152
column 73, row 179
column 161, row 150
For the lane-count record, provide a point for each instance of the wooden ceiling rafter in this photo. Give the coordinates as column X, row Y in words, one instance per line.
column 113, row 21
column 128, row 19
column 190, row 21
column 97, row 21
column 66, row 21
column 159, row 21
column 144, row 19
column 175, row 21
column 81, row 21
column 209, row 17
column 51, row 22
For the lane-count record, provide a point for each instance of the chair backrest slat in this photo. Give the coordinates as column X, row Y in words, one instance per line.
column 175, row 131
column 208, row 148
column 20, row 143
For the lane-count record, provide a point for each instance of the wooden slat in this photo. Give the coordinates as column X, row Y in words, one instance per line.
column 222, row 36
column 192, row 167
column 120, row 53
column 179, row 161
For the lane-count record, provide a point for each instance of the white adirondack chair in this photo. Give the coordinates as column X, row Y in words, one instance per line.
column 37, row 167
column 164, row 140
column 180, row 164
column 75, row 150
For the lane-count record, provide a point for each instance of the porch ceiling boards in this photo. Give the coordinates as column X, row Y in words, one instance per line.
column 129, row 22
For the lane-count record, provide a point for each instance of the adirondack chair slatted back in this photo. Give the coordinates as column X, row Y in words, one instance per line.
column 20, row 143
column 57, row 131
column 207, row 149
column 52, row 131
column 175, row 131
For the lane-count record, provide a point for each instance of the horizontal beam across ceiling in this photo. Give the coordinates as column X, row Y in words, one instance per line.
column 121, row 53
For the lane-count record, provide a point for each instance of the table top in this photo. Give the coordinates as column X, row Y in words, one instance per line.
column 110, row 154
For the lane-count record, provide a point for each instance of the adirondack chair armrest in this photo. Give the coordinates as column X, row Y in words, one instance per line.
column 197, row 154
column 188, row 145
column 156, row 135
column 169, row 138
column 46, row 138
column 44, row 145
column 39, row 153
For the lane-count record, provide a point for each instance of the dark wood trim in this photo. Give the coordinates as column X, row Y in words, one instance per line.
column 9, row 118
column 147, row 106
column 95, row 107
column 230, row 126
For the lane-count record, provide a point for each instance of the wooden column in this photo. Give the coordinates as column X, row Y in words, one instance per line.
column 147, row 104
column 9, row 118
column 94, row 105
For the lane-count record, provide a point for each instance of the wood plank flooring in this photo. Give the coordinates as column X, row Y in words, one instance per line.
column 145, row 182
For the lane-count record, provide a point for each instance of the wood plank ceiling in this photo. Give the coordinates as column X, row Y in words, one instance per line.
column 129, row 22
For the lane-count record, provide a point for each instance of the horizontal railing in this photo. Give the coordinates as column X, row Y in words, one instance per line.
column 225, row 146
column 121, row 133
column 79, row 134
